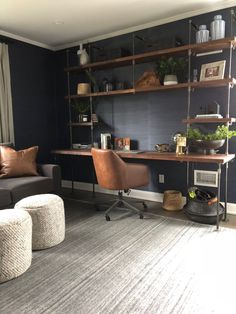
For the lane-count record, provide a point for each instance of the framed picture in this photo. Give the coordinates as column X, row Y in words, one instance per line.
column 122, row 143
column 212, row 71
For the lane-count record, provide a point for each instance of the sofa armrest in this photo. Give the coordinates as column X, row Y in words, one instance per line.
column 51, row 171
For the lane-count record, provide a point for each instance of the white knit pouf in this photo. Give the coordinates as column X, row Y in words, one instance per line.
column 47, row 213
column 15, row 243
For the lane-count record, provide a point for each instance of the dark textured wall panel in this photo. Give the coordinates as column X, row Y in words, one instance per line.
column 32, row 81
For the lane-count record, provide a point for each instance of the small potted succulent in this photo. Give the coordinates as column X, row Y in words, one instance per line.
column 169, row 69
column 208, row 143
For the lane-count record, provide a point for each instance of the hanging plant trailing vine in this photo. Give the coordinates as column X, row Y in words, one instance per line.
column 92, row 81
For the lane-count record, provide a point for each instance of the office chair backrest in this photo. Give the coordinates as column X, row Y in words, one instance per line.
column 110, row 169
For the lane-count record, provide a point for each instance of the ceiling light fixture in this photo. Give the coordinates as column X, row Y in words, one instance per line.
column 57, row 22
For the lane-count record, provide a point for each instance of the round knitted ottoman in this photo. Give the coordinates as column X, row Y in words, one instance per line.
column 47, row 213
column 15, row 243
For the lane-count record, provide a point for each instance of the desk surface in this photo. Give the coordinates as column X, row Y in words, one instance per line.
column 152, row 155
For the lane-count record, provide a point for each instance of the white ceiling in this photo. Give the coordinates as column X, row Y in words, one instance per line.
column 56, row 24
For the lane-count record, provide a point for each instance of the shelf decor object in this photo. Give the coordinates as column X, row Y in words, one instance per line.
column 217, row 28
column 81, row 110
column 83, row 88
column 83, row 56
column 148, row 79
column 207, row 147
column 202, row 35
column 169, row 68
column 209, row 143
column 212, row 71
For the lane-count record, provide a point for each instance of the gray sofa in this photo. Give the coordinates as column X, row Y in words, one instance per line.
column 14, row 189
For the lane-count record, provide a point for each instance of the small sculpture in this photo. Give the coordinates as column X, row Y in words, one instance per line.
column 181, row 142
column 148, row 79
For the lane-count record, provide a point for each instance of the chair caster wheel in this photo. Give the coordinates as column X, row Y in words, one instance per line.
column 145, row 206
column 141, row 216
column 107, row 218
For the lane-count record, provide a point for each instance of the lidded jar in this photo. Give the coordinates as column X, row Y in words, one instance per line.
column 202, row 35
column 217, row 28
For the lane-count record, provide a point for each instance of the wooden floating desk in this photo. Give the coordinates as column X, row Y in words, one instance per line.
column 219, row 159
column 152, row 155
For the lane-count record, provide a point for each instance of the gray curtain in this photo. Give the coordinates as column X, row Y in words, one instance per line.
column 6, row 114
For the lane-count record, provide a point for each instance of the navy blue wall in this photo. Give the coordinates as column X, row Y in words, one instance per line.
column 32, row 80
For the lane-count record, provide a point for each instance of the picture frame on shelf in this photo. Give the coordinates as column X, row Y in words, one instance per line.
column 122, row 143
column 213, row 71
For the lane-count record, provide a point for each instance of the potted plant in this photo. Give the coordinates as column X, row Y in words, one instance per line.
column 169, row 68
column 81, row 109
column 208, row 143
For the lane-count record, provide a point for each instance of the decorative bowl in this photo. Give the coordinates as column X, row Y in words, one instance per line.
column 206, row 147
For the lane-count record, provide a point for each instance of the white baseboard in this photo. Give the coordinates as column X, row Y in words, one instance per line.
column 144, row 195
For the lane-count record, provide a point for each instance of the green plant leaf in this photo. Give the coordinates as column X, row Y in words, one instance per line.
column 171, row 65
column 221, row 133
column 80, row 107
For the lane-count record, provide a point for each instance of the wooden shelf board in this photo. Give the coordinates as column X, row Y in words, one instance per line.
column 213, row 45
column 213, row 83
column 161, row 87
column 99, row 94
column 152, row 55
column 194, row 85
column 118, row 62
column 81, row 124
column 152, row 155
column 209, row 120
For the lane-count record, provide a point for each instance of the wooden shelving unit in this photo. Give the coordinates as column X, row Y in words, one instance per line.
column 189, row 50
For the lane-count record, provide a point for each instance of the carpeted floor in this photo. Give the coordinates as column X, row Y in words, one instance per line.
column 128, row 265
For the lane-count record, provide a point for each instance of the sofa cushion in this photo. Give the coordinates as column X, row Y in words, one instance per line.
column 18, row 163
column 5, row 197
column 26, row 186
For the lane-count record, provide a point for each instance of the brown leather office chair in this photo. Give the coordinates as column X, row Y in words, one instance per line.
column 115, row 174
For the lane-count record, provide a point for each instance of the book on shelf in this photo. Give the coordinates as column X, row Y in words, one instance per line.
column 207, row 116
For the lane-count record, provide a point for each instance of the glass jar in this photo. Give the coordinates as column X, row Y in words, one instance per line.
column 217, row 28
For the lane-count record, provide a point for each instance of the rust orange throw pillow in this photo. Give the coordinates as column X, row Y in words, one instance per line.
column 18, row 163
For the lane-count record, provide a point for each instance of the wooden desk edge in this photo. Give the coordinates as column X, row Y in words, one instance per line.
column 152, row 155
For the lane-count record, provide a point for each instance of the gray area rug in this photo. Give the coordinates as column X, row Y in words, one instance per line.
column 128, row 265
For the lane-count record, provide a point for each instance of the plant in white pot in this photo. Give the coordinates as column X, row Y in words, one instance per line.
column 169, row 69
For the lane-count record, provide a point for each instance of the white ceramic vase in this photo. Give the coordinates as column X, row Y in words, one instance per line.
column 84, row 57
column 217, row 28
column 170, row 79
column 202, row 35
